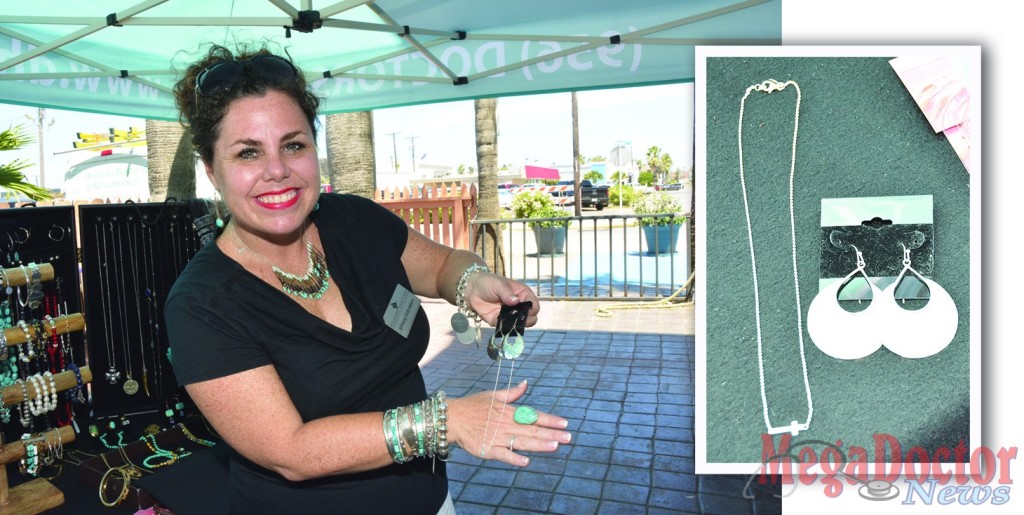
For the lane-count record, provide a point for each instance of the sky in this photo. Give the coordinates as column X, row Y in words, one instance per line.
column 532, row 129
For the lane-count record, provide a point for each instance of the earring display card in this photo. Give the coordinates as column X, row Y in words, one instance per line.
column 879, row 227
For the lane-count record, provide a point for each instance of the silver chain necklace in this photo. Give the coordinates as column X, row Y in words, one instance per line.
column 770, row 86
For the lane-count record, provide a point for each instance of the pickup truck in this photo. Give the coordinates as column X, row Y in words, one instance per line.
column 590, row 195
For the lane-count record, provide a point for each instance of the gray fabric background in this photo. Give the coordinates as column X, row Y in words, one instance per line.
column 861, row 135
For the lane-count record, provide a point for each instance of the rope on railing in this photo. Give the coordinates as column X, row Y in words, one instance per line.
column 606, row 310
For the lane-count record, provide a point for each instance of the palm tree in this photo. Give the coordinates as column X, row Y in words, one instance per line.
column 11, row 177
column 578, row 197
column 659, row 164
column 171, row 161
column 350, row 156
column 487, row 240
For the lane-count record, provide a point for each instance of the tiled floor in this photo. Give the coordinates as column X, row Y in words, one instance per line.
column 625, row 383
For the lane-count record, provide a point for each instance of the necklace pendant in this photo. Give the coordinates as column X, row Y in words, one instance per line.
column 113, row 376
column 131, row 387
column 793, row 428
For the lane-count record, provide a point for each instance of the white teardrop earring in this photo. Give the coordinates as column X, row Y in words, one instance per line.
column 917, row 333
column 839, row 333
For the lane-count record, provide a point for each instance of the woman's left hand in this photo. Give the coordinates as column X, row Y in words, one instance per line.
column 487, row 292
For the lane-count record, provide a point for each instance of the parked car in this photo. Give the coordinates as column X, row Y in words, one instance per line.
column 505, row 198
column 591, row 195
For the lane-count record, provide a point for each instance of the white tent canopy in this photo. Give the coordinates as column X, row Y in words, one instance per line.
column 121, row 56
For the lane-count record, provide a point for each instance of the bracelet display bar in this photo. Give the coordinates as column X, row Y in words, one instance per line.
column 12, row 394
column 18, row 276
column 63, row 324
column 35, row 496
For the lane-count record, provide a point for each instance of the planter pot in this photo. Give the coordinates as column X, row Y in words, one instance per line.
column 661, row 239
column 550, row 240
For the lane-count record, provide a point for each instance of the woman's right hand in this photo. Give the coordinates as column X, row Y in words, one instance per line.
column 469, row 417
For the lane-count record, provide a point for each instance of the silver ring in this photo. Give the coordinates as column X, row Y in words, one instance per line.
column 511, row 442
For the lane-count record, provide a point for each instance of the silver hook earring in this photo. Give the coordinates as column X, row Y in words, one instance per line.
column 839, row 333
column 922, row 332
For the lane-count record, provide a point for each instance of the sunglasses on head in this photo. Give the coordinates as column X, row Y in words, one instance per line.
column 222, row 76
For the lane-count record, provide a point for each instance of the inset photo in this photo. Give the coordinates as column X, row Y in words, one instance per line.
column 838, row 256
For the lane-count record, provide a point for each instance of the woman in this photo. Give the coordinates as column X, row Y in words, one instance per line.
column 305, row 375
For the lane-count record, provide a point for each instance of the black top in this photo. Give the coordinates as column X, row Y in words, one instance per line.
column 222, row 320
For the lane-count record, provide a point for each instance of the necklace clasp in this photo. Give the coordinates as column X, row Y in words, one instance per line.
column 770, row 86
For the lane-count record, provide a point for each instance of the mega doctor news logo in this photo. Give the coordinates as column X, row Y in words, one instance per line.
column 946, row 476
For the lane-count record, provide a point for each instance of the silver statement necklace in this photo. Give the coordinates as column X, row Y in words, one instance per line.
column 310, row 285
column 770, row 86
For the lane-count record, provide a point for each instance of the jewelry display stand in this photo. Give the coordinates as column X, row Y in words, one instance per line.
column 131, row 255
column 37, row 495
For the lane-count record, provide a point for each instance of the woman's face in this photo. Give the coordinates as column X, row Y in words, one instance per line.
column 265, row 166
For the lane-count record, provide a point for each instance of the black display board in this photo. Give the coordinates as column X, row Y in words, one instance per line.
column 131, row 255
column 43, row 235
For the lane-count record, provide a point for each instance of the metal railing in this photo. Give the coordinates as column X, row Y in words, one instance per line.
column 601, row 256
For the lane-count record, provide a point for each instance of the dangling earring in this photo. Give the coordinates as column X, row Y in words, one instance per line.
column 839, row 333
column 316, row 207
column 917, row 333
column 219, row 222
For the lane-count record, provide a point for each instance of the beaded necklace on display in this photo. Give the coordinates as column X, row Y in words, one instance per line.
column 311, row 285
column 794, row 428
column 130, row 386
column 112, row 375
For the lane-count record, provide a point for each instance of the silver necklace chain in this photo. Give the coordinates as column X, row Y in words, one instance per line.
column 770, row 86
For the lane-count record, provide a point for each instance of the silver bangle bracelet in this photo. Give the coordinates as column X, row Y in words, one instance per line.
column 460, row 291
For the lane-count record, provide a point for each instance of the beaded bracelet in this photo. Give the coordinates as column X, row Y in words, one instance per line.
column 26, row 420
column 28, row 351
column 74, row 393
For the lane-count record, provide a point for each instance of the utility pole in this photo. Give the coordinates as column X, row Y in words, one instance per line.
column 394, row 151
column 41, row 125
column 412, row 143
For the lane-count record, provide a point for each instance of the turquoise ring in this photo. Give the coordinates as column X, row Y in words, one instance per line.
column 525, row 415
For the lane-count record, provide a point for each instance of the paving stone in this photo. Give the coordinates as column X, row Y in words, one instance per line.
column 580, row 487
column 631, row 458
column 626, row 474
column 677, row 500
column 664, row 480
column 494, row 477
column 625, row 492
column 535, row 480
column 482, row 494
column 533, row 501
column 594, row 454
column 619, row 508
column 571, row 505
column 586, row 469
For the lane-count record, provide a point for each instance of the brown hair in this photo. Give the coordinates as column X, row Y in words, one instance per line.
column 202, row 114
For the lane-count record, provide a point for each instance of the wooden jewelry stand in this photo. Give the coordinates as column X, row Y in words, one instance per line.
column 38, row 495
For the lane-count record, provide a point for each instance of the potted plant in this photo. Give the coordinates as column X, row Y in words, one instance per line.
column 549, row 234
column 661, row 233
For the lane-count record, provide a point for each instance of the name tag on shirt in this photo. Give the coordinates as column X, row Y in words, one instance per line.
column 401, row 312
